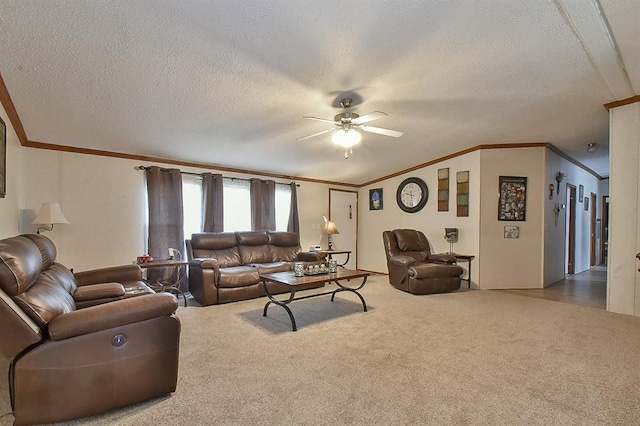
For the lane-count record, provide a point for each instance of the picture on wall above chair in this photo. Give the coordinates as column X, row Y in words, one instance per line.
column 443, row 190
column 462, row 197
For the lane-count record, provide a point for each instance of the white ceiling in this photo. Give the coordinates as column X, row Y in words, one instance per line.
column 227, row 82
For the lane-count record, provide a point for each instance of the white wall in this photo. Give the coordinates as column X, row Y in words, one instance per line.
column 429, row 220
column 624, row 238
column 9, row 206
column 104, row 200
column 512, row 262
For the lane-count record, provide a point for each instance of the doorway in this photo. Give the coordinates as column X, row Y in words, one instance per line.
column 592, row 214
column 343, row 210
column 604, row 239
column 571, row 230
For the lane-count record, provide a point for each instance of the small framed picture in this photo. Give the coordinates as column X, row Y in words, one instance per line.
column 511, row 231
column 586, row 204
column 581, row 194
column 375, row 199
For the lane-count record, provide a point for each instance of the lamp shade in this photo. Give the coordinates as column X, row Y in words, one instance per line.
column 451, row 235
column 330, row 228
column 50, row 213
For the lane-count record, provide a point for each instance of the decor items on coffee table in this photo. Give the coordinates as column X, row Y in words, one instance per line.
column 412, row 267
column 83, row 343
column 289, row 279
column 226, row 266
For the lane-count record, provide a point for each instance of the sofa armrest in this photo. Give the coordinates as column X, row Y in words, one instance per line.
column 442, row 258
column 311, row 256
column 402, row 260
column 98, row 291
column 204, row 263
column 112, row 314
column 107, row 275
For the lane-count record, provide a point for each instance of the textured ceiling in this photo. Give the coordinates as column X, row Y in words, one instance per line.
column 227, row 82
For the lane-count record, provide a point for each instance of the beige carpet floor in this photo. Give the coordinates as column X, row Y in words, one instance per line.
column 465, row 358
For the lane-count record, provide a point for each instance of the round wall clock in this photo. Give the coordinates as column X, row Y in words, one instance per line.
column 412, row 195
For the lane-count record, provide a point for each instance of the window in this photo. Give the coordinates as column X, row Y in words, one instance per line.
column 191, row 204
column 283, row 206
column 237, row 205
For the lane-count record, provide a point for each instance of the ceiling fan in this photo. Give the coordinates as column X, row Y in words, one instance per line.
column 347, row 127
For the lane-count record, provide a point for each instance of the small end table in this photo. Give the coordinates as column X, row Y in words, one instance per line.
column 468, row 258
column 172, row 287
column 330, row 254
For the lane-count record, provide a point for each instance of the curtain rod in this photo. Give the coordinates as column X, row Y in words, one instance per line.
column 198, row 174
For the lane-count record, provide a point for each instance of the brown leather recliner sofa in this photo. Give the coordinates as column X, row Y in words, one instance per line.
column 412, row 267
column 68, row 362
column 226, row 266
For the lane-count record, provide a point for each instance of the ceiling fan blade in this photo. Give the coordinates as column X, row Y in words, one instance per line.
column 316, row 134
column 369, row 117
column 319, row 119
column 381, row 131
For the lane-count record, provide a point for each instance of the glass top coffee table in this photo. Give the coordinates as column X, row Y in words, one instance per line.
column 289, row 279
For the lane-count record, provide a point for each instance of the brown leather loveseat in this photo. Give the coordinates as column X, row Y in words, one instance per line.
column 412, row 267
column 68, row 362
column 226, row 266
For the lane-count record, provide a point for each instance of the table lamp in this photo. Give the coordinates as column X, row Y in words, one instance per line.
column 329, row 229
column 451, row 235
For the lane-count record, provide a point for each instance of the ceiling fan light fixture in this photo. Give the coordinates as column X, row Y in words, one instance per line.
column 346, row 138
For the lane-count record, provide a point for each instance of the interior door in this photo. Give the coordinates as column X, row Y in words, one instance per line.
column 343, row 210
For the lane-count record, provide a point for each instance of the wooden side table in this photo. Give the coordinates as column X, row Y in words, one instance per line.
column 330, row 253
column 169, row 286
column 468, row 258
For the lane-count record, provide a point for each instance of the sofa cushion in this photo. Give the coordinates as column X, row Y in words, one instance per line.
column 20, row 263
column 45, row 300
column 434, row 270
column 284, row 246
column 253, row 247
column 221, row 246
column 255, row 254
column 238, row 276
column 47, row 249
column 410, row 240
column 272, row 267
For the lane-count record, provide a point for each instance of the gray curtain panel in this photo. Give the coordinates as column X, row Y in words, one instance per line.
column 212, row 207
column 294, row 220
column 263, row 205
column 166, row 230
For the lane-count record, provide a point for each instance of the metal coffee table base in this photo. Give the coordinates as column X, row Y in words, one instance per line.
column 292, row 297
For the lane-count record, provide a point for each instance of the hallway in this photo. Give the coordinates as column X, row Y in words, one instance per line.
column 588, row 288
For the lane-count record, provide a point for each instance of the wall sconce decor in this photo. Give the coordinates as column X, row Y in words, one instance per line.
column 559, row 177
column 451, row 235
column 592, row 148
column 551, row 191
column 49, row 213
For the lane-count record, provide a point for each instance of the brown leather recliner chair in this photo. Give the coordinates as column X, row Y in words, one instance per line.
column 412, row 267
column 67, row 362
